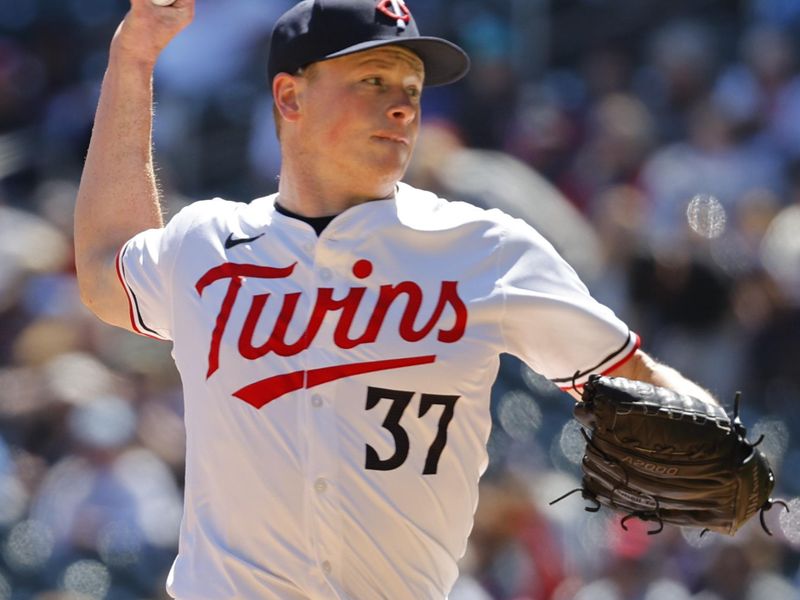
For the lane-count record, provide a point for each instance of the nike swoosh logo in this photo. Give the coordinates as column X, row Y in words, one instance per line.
column 263, row 392
column 230, row 242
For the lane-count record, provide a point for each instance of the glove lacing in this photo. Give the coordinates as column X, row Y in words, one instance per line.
column 652, row 515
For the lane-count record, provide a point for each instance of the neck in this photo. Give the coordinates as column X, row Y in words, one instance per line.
column 310, row 193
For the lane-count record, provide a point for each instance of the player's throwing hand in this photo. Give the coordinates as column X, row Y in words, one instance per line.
column 148, row 28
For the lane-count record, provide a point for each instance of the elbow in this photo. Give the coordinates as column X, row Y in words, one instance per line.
column 91, row 291
column 101, row 306
column 85, row 287
column 99, row 285
column 89, row 297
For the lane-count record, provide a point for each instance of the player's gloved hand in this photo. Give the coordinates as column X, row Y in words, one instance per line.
column 666, row 457
column 147, row 29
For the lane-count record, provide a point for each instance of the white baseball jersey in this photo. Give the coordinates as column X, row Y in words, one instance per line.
column 337, row 387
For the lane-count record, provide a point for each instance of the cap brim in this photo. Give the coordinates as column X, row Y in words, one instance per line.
column 444, row 61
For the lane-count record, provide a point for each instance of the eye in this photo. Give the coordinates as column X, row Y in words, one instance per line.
column 414, row 92
column 374, row 81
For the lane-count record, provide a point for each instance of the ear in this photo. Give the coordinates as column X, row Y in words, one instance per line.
column 286, row 92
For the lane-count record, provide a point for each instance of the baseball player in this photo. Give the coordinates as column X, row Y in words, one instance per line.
column 336, row 341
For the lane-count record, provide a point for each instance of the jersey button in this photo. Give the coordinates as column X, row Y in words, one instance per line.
column 326, row 566
column 325, row 274
column 316, row 400
column 320, row 485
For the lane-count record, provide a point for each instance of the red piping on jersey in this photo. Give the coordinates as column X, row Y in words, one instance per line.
column 128, row 292
column 626, row 358
column 263, row 392
column 613, row 367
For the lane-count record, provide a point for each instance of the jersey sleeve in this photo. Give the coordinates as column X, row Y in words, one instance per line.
column 550, row 320
column 145, row 266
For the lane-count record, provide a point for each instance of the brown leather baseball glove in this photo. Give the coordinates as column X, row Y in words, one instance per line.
column 666, row 457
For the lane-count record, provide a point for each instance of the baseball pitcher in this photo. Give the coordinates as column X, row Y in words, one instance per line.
column 336, row 341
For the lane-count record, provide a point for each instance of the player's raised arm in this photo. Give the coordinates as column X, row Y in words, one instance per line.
column 118, row 197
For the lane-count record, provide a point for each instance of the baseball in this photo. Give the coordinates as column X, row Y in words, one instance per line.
column 162, row 2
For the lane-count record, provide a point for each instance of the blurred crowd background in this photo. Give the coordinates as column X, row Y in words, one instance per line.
column 655, row 142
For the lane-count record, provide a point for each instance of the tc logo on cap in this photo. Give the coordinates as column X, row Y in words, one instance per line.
column 395, row 10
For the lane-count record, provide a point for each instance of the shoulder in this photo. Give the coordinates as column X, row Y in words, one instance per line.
column 205, row 212
column 425, row 210
column 218, row 215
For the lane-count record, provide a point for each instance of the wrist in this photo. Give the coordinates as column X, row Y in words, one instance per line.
column 131, row 61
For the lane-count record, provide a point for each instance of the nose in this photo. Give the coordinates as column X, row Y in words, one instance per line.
column 403, row 110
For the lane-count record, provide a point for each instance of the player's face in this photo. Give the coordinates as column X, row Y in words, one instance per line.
column 361, row 116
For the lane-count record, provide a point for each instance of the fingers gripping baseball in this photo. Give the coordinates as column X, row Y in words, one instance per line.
column 150, row 25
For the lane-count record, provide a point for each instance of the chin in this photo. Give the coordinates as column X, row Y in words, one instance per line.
column 385, row 172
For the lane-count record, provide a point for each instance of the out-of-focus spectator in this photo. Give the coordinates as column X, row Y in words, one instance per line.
column 733, row 573
column 680, row 71
column 710, row 161
column 514, row 550
column 619, row 138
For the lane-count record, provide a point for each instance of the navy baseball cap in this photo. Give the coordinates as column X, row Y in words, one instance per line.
column 315, row 30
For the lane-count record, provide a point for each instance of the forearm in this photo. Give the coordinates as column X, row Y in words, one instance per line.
column 118, row 196
column 642, row 367
column 667, row 377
